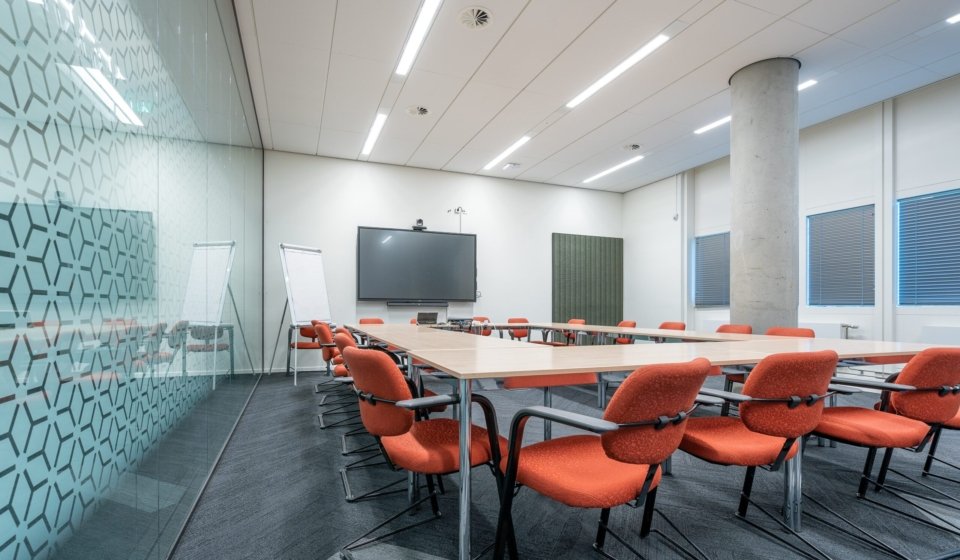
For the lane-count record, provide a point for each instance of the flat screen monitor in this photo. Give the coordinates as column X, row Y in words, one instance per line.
column 416, row 266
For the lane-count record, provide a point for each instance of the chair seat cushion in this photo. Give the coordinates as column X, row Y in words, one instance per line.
column 870, row 428
column 727, row 441
column 305, row 345
column 575, row 471
column 736, row 377
column 554, row 380
column 337, row 359
column 433, row 447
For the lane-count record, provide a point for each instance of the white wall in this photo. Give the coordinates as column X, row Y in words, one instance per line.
column 653, row 253
column 899, row 148
column 319, row 202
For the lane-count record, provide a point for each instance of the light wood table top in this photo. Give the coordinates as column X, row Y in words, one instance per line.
column 540, row 359
column 416, row 337
column 627, row 331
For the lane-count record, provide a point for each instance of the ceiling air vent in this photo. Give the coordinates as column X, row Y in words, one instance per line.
column 475, row 17
column 632, row 147
column 418, row 111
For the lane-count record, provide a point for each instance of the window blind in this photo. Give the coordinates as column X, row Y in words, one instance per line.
column 840, row 257
column 929, row 249
column 712, row 270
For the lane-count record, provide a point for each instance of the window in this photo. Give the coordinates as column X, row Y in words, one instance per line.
column 840, row 257
column 712, row 270
column 929, row 249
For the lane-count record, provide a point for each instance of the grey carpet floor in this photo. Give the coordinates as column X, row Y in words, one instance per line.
column 277, row 494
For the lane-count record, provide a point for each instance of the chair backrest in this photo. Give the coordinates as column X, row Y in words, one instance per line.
column 518, row 333
column 481, row 319
column 649, row 393
column 629, row 325
column 799, row 332
column 370, row 321
column 413, row 321
column 781, row 376
column 673, row 325
column 344, row 340
column 736, row 329
column 308, row 332
column 374, row 373
column 324, row 336
column 931, row 368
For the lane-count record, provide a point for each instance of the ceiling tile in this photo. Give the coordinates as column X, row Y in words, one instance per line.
column 830, row 16
column 295, row 137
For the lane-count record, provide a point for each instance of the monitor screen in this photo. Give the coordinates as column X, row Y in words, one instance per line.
column 405, row 265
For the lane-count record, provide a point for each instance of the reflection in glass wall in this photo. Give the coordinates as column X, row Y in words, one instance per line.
column 130, row 268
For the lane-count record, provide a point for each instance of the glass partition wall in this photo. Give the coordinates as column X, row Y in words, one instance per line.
column 131, row 191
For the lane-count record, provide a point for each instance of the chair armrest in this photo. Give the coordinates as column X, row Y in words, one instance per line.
column 873, row 384
column 708, row 400
column 327, row 345
column 428, row 402
column 582, row 421
column 725, row 395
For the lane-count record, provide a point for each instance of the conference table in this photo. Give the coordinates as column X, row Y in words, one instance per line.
column 468, row 357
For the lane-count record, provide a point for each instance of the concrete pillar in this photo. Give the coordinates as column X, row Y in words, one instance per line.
column 764, row 138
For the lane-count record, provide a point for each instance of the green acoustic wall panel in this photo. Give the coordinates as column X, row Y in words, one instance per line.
column 587, row 278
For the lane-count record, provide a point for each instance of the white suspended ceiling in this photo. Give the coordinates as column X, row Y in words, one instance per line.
column 321, row 70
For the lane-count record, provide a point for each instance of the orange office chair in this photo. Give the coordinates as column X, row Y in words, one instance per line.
column 329, row 352
column 640, row 429
column 625, row 339
column 408, row 441
column 370, row 321
column 734, row 329
column 926, row 396
column 670, row 326
column 519, row 334
column 572, row 336
column 739, row 376
column 413, row 321
column 485, row 331
column 782, row 402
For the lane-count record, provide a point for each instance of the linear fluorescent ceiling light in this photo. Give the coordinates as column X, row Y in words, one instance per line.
column 616, row 167
column 620, row 69
column 953, row 19
column 503, row 155
column 374, row 133
column 806, row 84
column 427, row 11
column 713, row 125
column 101, row 87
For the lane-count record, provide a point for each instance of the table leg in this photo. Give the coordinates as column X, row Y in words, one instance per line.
column 793, row 491
column 465, row 424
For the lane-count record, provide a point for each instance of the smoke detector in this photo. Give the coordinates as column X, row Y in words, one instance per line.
column 632, row 147
column 418, row 111
column 475, row 17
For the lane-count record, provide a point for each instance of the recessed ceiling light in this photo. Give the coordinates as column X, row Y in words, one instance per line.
column 374, row 133
column 510, row 165
column 713, row 125
column 616, row 167
column 427, row 10
column 513, row 147
column 953, row 19
column 100, row 86
column 620, row 69
column 806, row 84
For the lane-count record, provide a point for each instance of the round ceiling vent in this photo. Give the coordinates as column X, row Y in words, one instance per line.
column 632, row 147
column 475, row 17
column 418, row 111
